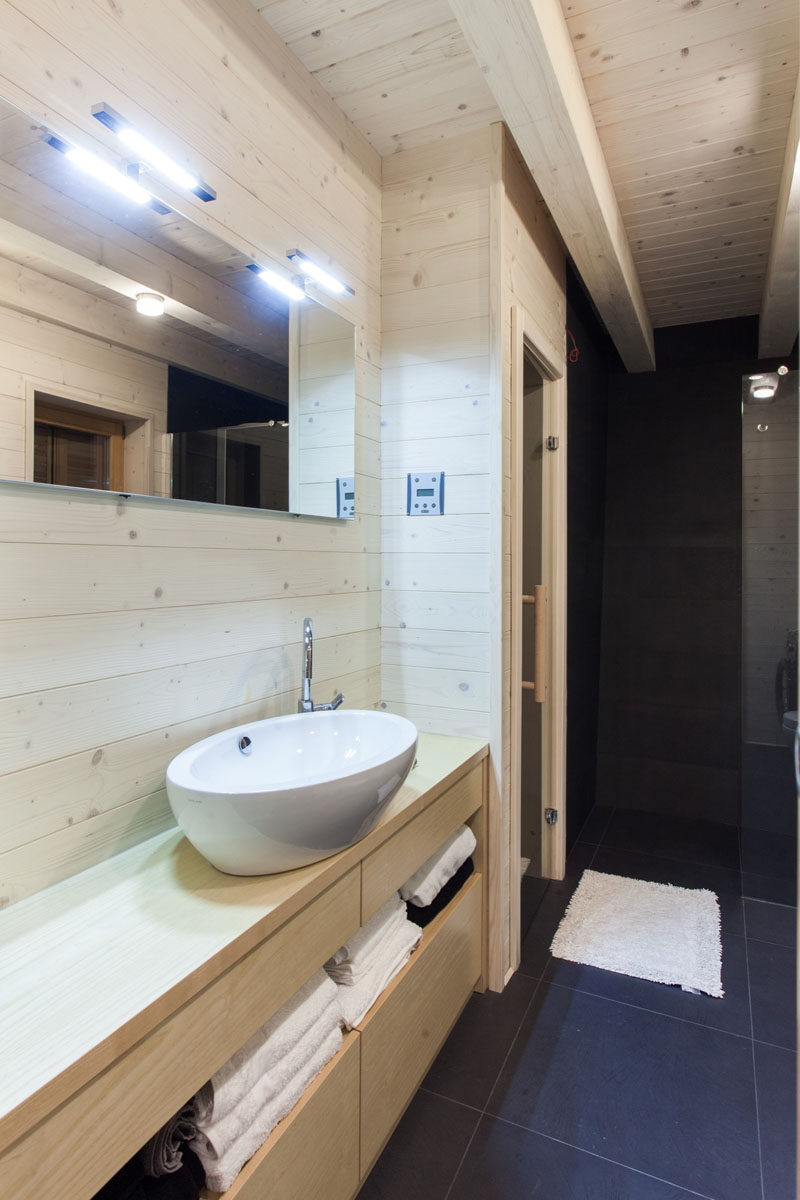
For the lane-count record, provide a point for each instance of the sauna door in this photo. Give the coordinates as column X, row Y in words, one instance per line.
column 538, row 610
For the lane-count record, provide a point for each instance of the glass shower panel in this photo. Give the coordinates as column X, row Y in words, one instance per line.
column 531, row 749
column 769, row 634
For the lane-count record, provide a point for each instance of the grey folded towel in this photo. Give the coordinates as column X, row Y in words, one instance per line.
column 162, row 1155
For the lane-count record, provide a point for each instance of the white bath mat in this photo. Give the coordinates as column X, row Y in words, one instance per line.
column 649, row 930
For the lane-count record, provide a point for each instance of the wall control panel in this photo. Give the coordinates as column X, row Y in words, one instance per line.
column 425, row 494
column 346, row 498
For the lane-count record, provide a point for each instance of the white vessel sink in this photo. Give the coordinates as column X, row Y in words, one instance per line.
column 305, row 787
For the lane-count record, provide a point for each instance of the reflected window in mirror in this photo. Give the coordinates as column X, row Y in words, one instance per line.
column 76, row 448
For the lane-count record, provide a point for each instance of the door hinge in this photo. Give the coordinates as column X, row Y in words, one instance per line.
column 551, row 443
column 551, row 815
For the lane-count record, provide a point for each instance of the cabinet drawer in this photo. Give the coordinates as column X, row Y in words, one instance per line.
column 155, row 1077
column 403, row 1032
column 314, row 1150
column 393, row 863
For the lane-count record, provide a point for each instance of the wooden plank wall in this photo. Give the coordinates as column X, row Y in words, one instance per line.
column 531, row 274
column 436, row 415
column 465, row 238
column 130, row 629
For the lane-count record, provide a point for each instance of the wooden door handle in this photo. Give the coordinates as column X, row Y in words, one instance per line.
column 539, row 684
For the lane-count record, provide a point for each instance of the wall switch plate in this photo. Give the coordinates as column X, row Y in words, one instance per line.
column 346, row 498
column 425, row 494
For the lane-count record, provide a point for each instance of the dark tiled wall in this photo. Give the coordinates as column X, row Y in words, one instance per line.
column 587, row 406
column 670, row 706
column 670, row 710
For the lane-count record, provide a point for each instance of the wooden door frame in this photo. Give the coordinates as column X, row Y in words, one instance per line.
column 526, row 336
column 83, row 421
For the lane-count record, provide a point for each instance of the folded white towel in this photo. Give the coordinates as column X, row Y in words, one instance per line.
column 223, row 1163
column 357, row 999
column 269, row 1044
column 358, row 953
column 223, row 1130
column 426, row 883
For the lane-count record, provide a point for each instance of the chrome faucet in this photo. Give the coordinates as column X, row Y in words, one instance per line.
column 306, row 704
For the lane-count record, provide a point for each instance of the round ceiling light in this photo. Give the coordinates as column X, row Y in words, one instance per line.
column 150, row 304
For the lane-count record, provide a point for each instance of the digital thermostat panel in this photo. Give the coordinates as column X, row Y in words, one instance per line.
column 346, row 498
column 425, row 494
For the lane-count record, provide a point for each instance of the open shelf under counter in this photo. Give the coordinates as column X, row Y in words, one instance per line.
column 107, row 978
column 332, row 1137
column 314, row 1150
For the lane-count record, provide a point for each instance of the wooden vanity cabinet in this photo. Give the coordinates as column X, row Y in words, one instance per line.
column 328, row 1143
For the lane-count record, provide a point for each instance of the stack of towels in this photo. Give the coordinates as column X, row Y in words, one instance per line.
column 256, row 1088
column 436, row 882
column 234, row 1113
column 371, row 958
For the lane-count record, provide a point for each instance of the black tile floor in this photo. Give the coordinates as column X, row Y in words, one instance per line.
column 580, row 1084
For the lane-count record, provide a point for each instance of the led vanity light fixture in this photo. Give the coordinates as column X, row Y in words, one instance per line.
column 149, row 155
column 92, row 164
column 309, row 268
column 279, row 283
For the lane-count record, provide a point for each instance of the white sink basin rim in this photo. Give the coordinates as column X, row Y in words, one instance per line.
column 307, row 786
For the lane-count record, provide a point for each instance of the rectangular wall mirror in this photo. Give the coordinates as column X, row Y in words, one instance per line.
column 234, row 395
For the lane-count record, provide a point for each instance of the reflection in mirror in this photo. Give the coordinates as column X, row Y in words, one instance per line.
column 244, row 460
column 236, row 395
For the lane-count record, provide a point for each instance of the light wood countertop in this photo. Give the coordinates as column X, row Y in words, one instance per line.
column 90, row 966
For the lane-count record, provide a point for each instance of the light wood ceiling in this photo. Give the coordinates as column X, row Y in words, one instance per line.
column 401, row 70
column 691, row 100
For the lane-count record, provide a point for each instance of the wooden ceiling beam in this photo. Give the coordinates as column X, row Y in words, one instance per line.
column 524, row 49
column 778, row 322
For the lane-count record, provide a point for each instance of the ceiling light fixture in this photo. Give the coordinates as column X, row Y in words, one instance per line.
column 308, row 267
column 150, row 304
column 762, row 388
column 279, row 283
column 150, row 155
column 99, row 169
